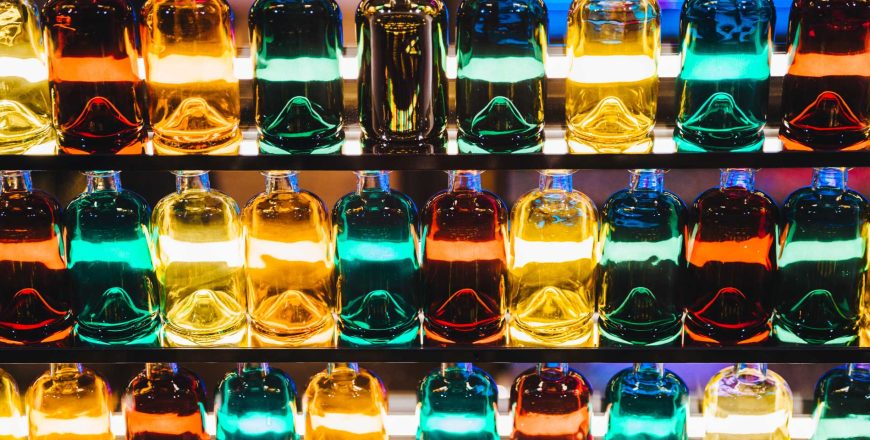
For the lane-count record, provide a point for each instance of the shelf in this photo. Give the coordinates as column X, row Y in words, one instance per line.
column 471, row 354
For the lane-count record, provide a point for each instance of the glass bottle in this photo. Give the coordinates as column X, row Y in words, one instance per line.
column 12, row 415
column 111, row 271
column 69, row 402
column 826, row 91
column 289, row 265
column 464, row 263
column 551, row 402
column 722, row 88
column 165, row 402
column 402, row 79
column 193, row 93
column 345, row 402
column 731, row 261
column 457, row 402
column 34, row 296
column 93, row 68
column 298, row 102
column 842, row 411
column 746, row 401
column 199, row 243
column 256, row 402
column 25, row 105
column 642, row 268
column 612, row 86
column 500, row 109
column 822, row 261
column 553, row 235
column 646, row 402
column 376, row 263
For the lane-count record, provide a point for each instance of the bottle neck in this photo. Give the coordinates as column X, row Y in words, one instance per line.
column 552, row 370
column 16, row 181
column 647, row 180
column 58, row 370
column 738, row 178
column 103, row 181
column 369, row 181
column 464, row 180
column 192, row 181
column 342, row 370
column 830, row 178
column 156, row 369
column 463, row 367
column 860, row 371
column 649, row 371
column 556, row 180
column 751, row 373
column 259, row 368
column 281, row 181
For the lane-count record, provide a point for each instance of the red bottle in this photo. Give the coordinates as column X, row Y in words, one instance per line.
column 464, row 263
column 551, row 402
column 165, row 403
column 732, row 263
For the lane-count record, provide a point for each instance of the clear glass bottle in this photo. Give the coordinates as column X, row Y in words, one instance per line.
column 345, row 402
column 165, row 402
column 193, row 92
column 822, row 260
column 551, row 402
column 641, row 274
column 499, row 109
column 724, row 79
column 12, row 415
column 646, row 402
column 34, row 296
column 69, row 402
column 464, row 263
column 377, row 265
column 746, row 401
column 199, row 242
column 553, row 241
column 457, row 402
column 256, row 402
column 842, row 411
column 94, row 76
column 298, row 101
column 612, row 86
column 731, row 257
column 402, row 78
column 25, row 104
column 288, row 265
column 115, row 295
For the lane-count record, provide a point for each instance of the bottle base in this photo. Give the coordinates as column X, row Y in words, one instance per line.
column 78, row 145
column 490, row 336
column 581, row 145
column 234, row 337
column 322, row 337
column 505, row 144
column 800, row 335
column 695, row 144
column 405, row 337
column 432, row 145
column 307, row 145
column 704, row 335
column 624, row 336
column 144, row 336
column 579, row 335
column 812, row 140
column 41, row 142
column 58, row 338
column 172, row 146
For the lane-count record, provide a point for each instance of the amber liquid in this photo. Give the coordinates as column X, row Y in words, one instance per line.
column 551, row 409
column 165, row 408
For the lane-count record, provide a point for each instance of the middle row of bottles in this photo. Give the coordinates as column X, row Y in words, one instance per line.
column 284, row 273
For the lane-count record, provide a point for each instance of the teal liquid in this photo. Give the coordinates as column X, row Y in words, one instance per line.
column 457, row 403
column 646, row 404
column 256, row 404
column 842, row 409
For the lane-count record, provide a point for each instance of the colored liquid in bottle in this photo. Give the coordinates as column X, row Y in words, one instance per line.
column 12, row 415
column 646, row 402
column 457, row 402
column 69, row 403
column 345, row 403
column 256, row 403
column 842, row 411
column 165, row 403
column 747, row 402
column 551, row 402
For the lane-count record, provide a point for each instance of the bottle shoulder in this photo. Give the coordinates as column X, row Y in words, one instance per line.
column 506, row 9
column 730, row 198
column 432, row 8
column 198, row 202
column 710, row 9
column 807, row 196
column 593, row 9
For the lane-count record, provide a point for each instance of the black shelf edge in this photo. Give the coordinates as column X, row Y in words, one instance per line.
column 798, row 355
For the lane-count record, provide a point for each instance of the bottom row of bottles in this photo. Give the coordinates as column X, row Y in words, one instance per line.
column 457, row 401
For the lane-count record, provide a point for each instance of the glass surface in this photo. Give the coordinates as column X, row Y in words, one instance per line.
column 377, row 266
column 115, row 294
column 500, row 109
column 722, row 89
column 646, row 402
column 256, row 402
column 34, row 296
column 193, row 93
column 464, row 263
column 746, row 402
column 553, row 244
column 551, row 402
column 298, row 101
column 200, row 245
column 289, row 265
column 842, row 409
column 345, row 402
column 69, row 402
column 642, row 268
column 732, row 263
column 457, row 402
column 165, row 402
column 612, row 85
column 94, row 76
column 25, row 106
column 11, row 411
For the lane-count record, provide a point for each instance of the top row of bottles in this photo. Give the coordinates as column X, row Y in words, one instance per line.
column 95, row 104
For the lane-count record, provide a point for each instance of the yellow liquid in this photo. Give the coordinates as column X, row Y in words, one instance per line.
column 70, row 405
column 746, row 411
column 12, row 425
column 553, row 239
column 345, row 406
column 289, row 270
column 193, row 94
column 200, row 252
column 612, row 85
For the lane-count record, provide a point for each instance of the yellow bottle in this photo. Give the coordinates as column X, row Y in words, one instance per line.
column 612, row 86
column 345, row 402
column 747, row 402
column 554, row 231
column 193, row 93
column 12, row 426
column 200, row 264
column 69, row 402
column 289, row 265
column 25, row 110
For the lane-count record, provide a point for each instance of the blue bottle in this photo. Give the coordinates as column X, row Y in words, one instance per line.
column 457, row 402
column 647, row 402
column 842, row 406
column 256, row 402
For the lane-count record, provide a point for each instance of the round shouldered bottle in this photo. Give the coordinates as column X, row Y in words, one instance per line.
column 69, row 402
column 747, row 401
column 345, row 402
column 457, row 402
column 646, row 401
column 256, row 402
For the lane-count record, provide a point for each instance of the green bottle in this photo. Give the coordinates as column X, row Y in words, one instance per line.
column 647, row 402
column 842, row 406
column 457, row 402
column 256, row 402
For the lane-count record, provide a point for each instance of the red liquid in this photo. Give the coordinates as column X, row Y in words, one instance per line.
column 551, row 408
column 165, row 407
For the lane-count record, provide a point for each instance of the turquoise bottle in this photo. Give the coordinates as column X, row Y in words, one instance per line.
column 646, row 402
column 842, row 406
column 457, row 402
column 376, row 262
column 256, row 402
column 111, row 269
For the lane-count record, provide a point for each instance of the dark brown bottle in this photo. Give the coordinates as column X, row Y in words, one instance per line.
column 165, row 402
